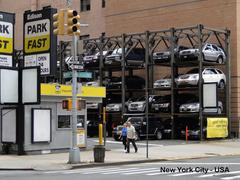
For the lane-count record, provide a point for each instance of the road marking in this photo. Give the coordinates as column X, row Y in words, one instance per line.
column 142, row 172
column 139, row 171
column 183, row 174
column 102, row 171
column 159, row 173
column 233, row 177
column 122, row 171
column 218, row 174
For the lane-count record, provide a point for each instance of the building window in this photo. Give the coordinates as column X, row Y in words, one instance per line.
column 103, row 3
column 85, row 5
column 64, row 121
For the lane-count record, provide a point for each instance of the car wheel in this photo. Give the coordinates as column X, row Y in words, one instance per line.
column 221, row 84
column 220, row 60
column 159, row 135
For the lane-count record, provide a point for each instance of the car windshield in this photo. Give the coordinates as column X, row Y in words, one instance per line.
column 117, row 51
column 193, row 71
column 135, row 120
column 98, row 54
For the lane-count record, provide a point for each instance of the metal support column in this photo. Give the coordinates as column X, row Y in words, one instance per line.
column 228, row 83
column 200, row 81
column 172, row 44
column 74, row 153
column 123, row 65
column 147, row 87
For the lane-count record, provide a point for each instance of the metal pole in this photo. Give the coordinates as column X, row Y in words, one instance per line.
column 74, row 153
column 172, row 45
column 200, row 81
column 147, row 86
column 123, row 64
column 228, row 84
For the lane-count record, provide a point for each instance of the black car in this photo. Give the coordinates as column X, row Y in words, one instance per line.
column 165, row 56
column 135, row 56
column 163, row 104
column 155, row 127
column 93, row 61
column 92, row 128
column 131, row 82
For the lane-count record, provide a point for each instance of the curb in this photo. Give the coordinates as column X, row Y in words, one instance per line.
column 17, row 169
column 78, row 166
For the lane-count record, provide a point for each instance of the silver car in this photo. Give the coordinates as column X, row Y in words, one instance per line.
column 163, row 83
column 208, row 75
column 194, row 107
column 211, row 52
column 140, row 104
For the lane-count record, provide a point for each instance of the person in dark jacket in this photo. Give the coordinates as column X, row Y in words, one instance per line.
column 124, row 136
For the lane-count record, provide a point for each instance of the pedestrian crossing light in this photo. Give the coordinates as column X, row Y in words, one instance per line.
column 58, row 23
column 73, row 22
column 67, row 104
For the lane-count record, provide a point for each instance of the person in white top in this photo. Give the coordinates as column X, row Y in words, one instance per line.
column 131, row 136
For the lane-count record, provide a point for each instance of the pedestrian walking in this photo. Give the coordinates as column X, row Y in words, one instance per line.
column 131, row 136
column 124, row 136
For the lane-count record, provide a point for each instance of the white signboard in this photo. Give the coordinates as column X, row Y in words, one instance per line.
column 41, row 125
column 30, row 92
column 9, row 86
column 42, row 60
column 6, row 60
column 9, row 125
column 209, row 95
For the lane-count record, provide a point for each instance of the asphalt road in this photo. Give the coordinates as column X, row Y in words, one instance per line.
column 224, row 168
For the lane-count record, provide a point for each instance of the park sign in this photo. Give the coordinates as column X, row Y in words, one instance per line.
column 40, row 45
column 7, row 21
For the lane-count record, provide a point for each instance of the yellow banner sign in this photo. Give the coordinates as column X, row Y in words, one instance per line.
column 217, row 127
column 37, row 44
column 66, row 90
column 6, row 45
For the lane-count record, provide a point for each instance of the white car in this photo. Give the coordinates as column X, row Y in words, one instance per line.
column 194, row 107
column 211, row 52
column 209, row 75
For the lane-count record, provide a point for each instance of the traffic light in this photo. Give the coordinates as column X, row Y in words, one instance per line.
column 67, row 104
column 58, row 23
column 73, row 22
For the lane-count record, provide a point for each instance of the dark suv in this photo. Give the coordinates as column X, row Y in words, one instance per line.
column 136, row 56
column 155, row 127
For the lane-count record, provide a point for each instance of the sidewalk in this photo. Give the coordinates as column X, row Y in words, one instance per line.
column 117, row 156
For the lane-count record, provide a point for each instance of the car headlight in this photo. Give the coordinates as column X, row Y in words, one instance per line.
column 140, row 105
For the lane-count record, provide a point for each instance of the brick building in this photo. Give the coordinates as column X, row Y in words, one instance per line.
column 115, row 17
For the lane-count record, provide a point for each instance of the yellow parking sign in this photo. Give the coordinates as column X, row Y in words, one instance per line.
column 217, row 127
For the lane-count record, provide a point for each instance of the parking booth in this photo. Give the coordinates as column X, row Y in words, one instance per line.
column 47, row 126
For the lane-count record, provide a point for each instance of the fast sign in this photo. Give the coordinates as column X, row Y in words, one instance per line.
column 39, row 42
column 7, row 21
